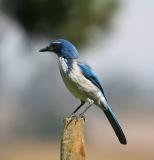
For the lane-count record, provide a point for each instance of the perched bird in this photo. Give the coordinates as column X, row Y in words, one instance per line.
column 82, row 81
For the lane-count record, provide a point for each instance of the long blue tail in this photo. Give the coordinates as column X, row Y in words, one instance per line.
column 115, row 125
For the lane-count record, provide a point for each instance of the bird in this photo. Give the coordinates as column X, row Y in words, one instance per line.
column 82, row 81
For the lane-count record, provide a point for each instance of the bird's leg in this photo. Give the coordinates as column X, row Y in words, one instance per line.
column 91, row 102
column 73, row 113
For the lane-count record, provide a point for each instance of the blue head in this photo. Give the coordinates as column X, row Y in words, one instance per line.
column 62, row 48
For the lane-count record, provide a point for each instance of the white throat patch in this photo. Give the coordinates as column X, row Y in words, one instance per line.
column 63, row 65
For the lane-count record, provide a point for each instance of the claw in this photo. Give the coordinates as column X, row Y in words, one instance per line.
column 82, row 116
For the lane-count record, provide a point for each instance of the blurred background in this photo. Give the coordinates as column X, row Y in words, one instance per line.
column 116, row 37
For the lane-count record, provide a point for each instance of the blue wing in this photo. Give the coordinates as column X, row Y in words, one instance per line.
column 90, row 74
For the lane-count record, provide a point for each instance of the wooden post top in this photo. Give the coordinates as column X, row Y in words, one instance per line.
column 73, row 144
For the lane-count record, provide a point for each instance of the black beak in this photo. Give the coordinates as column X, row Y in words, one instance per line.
column 45, row 49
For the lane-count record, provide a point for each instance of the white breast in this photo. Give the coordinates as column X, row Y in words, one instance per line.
column 78, row 85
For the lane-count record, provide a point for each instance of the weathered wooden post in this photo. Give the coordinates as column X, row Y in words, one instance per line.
column 73, row 143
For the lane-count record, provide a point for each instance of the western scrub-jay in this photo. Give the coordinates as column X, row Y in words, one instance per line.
column 82, row 81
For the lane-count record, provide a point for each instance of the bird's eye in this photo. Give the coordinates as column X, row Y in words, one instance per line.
column 56, row 46
column 53, row 45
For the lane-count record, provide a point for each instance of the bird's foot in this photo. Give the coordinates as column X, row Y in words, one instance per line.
column 82, row 116
column 74, row 117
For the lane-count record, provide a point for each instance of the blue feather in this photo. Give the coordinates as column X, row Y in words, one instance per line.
column 115, row 125
column 68, row 50
column 91, row 75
